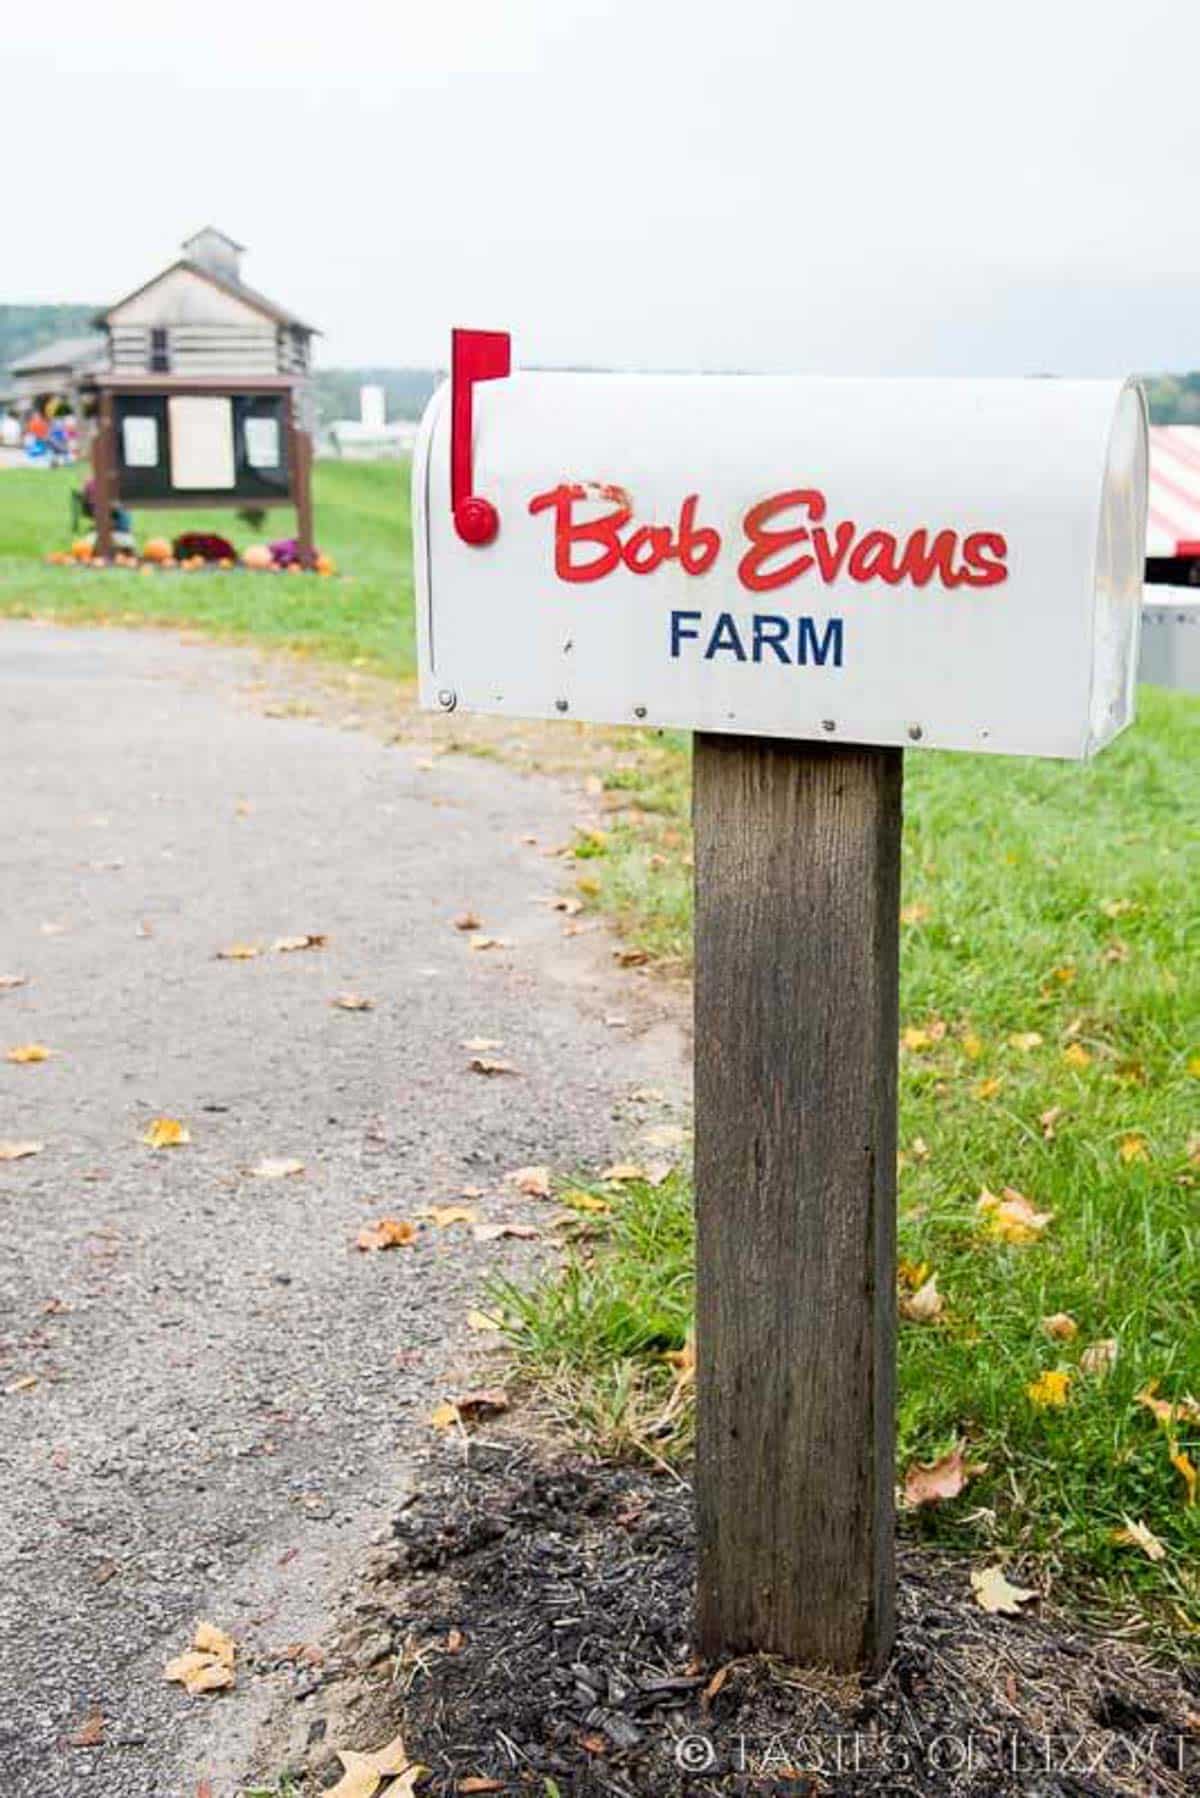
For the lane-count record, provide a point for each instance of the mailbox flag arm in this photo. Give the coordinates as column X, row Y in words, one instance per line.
column 474, row 356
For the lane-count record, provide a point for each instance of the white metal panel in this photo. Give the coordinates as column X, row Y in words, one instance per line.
column 1040, row 662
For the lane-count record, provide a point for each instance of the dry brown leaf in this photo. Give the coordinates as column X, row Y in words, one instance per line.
column 534, row 1181
column 1049, row 1121
column 239, row 952
column 629, row 958
column 26, row 1383
column 1099, row 1358
column 444, row 1416
column 198, row 1673
column 352, row 1002
column 925, row 1305
column 208, row 1639
column 939, row 1480
column 1060, row 1327
column 1185, row 1411
column 467, row 920
column 8, row 982
column 90, row 1733
column 993, row 1592
column 482, row 1045
column 487, row 1401
column 483, row 1064
column 1137, row 1535
column 490, row 942
column 28, row 1052
column 19, row 1151
column 916, row 913
column 275, row 1168
column 387, row 1233
column 493, row 1232
column 476, row 1782
column 1010, row 1216
column 445, row 1215
column 166, row 1133
column 1116, row 951
column 311, row 939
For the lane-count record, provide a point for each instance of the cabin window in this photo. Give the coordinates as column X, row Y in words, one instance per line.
column 160, row 351
column 262, row 442
column 139, row 441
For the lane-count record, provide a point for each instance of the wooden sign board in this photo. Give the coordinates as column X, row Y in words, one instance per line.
column 811, row 575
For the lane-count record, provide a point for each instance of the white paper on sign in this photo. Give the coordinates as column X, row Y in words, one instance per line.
column 201, row 442
column 262, row 442
column 139, row 441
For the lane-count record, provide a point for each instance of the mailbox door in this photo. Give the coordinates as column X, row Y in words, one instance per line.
column 950, row 563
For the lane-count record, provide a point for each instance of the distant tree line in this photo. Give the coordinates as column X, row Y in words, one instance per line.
column 406, row 389
column 26, row 328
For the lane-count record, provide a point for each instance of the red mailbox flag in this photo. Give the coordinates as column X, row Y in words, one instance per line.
column 474, row 356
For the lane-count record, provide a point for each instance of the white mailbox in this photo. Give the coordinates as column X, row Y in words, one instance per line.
column 946, row 562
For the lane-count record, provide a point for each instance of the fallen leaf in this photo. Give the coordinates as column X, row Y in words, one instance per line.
column 987, row 1089
column 664, row 1136
column 352, row 1002
column 993, row 1592
column 445, row 1215
column 313, row 939
column 25, row 1052
column 90, row 1733
column 211, row 1640
column 488, row 1401
column 916, row 913
column 1137, row 1535
column 26, row 1383
column 8, row 982
column 166, row 1133
column 1117, row 908
column 477, row 1783
column 534, row 1181
column 627, row 958
column 1059, row 1326
column 1049, row 1121
column 658, row 1171
column 1186, row 1410
column 484, row 1320
column 275, row 1169
column 622, row 1171
column 467, row 920
column 239, row 952
column 916, row 1039
column 1011, row 1217
column 387, row 1233
column 490, row 942
column 365, row 1772
column 714, row 1685
column 1116, row 951
column 938, row 1480
column 1025, row 1040
column 972, row 1046
column 1193, row 1066
column 444, row 1416
column 1050, row 1390
column 1076, row 1056
column 483, row 1064
column 585, row 1201
column 482, row 1045
column 493, row 1232
column 208, row 1666
column 925, row 1305
column 1183, row 1465
column 19, row 1151
column 1133, row 1148
column 1099, row 1358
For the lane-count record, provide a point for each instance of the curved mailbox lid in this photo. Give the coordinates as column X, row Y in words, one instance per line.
column 956, row 563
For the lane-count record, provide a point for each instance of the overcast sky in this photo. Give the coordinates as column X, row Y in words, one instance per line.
column 928, row 186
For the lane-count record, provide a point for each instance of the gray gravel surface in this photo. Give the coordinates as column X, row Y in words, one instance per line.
column 209, row 1400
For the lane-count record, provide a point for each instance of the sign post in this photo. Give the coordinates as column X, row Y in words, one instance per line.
column 811, row 576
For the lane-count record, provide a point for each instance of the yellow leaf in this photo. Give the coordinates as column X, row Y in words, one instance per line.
column 1011, row 1217
column 1076, row 1056
column 588, row 886
column 1133, row 1148
column 1060, row 1327
column 919, row 1149
column 972, row 1046
column 1183, row 1465
column 1064, row 975
column 444, row 1416
column 239, row 952
column 273, row 1168
column 585, row 1201
column 387, row 1233
column 445, row 1215
column 1049, row 1391
column 1193, row 1066
column 484, row 1320
column 987, row 1089
column 994, row 1593
column 19, row 1151
column 25, row 1052
column 925, row 1305
column 534, row 1181
column 912, row 1273
column 1025, row 1040
column 1137, row 1535
column 1099, row 1358
column 1117, row 908
column 211, row 1640
column 166, row 1133
column 916, row 1039
column 623, row 1170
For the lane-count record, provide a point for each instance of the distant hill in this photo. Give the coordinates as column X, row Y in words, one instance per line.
column 25, row 328
column 407, row 390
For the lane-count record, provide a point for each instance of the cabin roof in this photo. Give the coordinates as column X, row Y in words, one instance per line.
column 237, row 288
column 63, row 352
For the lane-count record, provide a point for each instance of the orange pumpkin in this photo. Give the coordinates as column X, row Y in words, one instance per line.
column 257, row 556
column 156, row 549
column 81, row 549
column 326, row 564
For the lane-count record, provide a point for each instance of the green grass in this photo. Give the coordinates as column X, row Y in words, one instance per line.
column 364, row 614
column 1046, row 901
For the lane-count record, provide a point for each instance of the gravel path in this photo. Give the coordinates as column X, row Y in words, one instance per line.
column 209, row 1400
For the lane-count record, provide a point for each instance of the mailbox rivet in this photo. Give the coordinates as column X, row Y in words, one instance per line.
column 828, row 724
column 915, row 732
column 447, row 699
column 560, row 705
column 639, row 711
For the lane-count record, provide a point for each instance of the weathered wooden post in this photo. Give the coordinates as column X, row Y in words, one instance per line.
column 797, row 925
column 811, row 575
column 104, row 490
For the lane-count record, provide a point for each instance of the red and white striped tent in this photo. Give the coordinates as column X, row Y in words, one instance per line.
column 1173, row 527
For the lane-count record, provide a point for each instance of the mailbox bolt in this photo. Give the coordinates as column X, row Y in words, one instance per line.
column 915, row 732
column 447, row 699
column 639, row 711
column 828, row 724
column 560, row 705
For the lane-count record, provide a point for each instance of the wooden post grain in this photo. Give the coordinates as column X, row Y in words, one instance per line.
column 797, row 927
column 301, row 459
column 104, row 474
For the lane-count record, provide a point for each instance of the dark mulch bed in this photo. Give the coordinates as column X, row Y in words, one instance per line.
column 539, row 1615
